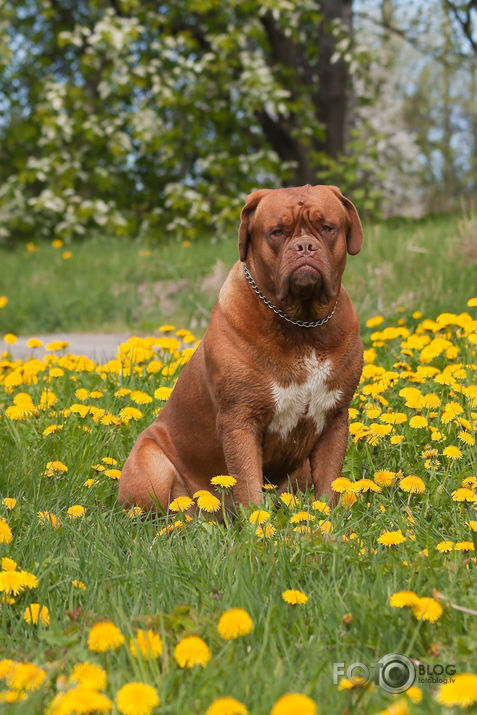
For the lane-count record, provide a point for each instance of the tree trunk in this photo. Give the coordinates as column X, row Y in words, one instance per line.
column 330, row 98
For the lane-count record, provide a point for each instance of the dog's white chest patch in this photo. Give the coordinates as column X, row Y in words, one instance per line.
column 310, row 398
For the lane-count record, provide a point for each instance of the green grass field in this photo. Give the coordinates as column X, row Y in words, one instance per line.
column 406, row 518
column 111, row 284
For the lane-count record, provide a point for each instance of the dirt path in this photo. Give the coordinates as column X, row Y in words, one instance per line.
column 97, row 346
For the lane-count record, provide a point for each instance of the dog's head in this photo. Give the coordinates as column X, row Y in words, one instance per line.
column 295, row 243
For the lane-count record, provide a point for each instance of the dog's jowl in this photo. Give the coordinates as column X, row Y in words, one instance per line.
column 266, row 394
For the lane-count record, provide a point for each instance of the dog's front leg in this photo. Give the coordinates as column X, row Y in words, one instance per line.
column 243, row 457
column 328, row 454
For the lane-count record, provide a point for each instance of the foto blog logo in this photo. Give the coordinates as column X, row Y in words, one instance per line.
column 394, row 673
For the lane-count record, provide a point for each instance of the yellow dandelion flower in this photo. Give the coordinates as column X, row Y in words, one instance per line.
column 412, row 484
column 5, row 532
column 294, row 597
column 47, row 517
column 288, row 499
column 234, row 623
column 259, row 516
column 34, row 343
column 207, row 501
column 384, row 478
column 414, row 694
column 56, row 466
column 140, row 398
column 10, row 338
column 452, row 452
column 466, row 437
column 28, row 580
column 393, row 418
column 3, row 301
column 181, row 504
column 463, row 494
column 8, row 564
column 162, row 393
column 391, row 538
column 57, row 345
column 375, row 321
column 166, row 328
column 342, row 484
column 366, row 485
column 76, row 511
column 122, row 392
column 302, row 529
column 348, row 499
column 81, row 393
column 110, row 461
column 321, row 506
column 130, row 413
column 224, row 481
column 50, row 429
column 9, row 503
column 401, row 599
column 35, row 614
column 293, row 703
column 302, row 516
column 146, row 643
column 134, row 511
column 6, row 666
column 465, row 546
column 427, row 609
column 192, row 651
column 379, row 430
column 418, row 422
column 462, row 691
column 89, row 675
column 137, row 699
column 112, row 473
column 79, row 584
column 347, row 684
column 90, row 483
column 80, row 700
column 399, row 707
column 104, row 636
column 25, row 676
column 226, row 706
column 472, row 525
column 445, row 546
column 265, row 532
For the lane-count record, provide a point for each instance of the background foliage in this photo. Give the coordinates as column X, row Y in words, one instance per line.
column 157, row 118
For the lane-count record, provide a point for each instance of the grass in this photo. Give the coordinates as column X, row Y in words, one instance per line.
column 179, row 582
column 116, row 284
column 177, row 578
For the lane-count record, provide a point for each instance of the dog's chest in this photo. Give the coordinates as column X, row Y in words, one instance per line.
column 309, row 397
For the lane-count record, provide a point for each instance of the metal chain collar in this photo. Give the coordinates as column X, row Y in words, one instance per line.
column 301, row 323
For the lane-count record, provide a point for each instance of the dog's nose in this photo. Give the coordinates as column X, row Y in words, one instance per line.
column 305, row 245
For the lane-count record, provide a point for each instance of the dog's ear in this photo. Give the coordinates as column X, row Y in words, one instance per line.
column 251, row 204
column 355, row 236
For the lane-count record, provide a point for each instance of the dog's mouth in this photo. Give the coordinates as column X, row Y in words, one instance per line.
column 305, row 265
column 305, row 278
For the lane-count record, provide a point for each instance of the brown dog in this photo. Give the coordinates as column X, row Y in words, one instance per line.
column 266, row 394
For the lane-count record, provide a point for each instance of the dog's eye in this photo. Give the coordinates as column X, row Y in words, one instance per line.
column 327, row 229
column 277, row 233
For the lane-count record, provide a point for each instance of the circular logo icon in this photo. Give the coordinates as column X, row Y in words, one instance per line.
column 395, row 673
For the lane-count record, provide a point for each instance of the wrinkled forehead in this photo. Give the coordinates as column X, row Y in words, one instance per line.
column 287, row 206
